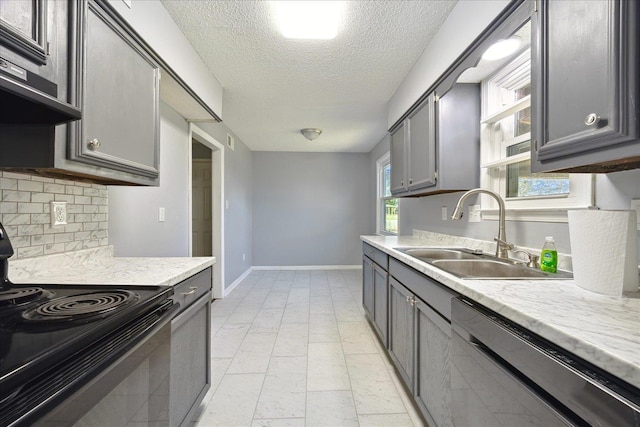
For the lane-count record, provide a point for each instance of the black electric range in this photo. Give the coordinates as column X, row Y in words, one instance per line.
column 56, row 338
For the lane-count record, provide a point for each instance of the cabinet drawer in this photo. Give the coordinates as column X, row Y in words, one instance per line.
column 188, row 291
column 379, row 257
column 433, row 293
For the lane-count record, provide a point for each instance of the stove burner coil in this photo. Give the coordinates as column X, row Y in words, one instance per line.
column 82, row 306
column 17, row 296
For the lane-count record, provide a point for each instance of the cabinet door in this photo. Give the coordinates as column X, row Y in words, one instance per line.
column 433, row 377
column 120, row 99
column 422, row 146
column 585, row 85
column 23, row 29
column 367, row 287
column 380, row 301
column 190, row 359
column 399, row 160
column 401, row 325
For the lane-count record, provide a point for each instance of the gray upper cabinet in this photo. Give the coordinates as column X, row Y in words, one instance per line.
column 422, row 147
column 436, row 148
column 399, row 139
column 103, row 69
column 34, row 66
column 586, row 113
column 23, row 28
column 119, row 95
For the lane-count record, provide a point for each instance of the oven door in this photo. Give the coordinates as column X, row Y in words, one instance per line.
column 133, row 390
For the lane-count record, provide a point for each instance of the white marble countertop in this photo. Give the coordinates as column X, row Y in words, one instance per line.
column 601, row 329
column 99, row 267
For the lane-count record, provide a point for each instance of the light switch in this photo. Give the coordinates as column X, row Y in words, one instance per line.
column 160, row 214
column 635, row 205
column 444, row 213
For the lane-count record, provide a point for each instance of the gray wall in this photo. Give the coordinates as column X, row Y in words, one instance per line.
column 238, row 173
column 310, row 208
column 134, row 229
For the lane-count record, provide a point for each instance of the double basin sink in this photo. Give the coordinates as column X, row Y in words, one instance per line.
column 468, row 264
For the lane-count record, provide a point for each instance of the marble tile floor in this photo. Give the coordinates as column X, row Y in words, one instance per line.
column 293, row 348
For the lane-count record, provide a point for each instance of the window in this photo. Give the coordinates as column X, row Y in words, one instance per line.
column 505, row 152
column 387, row 206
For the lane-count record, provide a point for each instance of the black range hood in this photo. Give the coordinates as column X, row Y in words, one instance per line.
column 26, row 98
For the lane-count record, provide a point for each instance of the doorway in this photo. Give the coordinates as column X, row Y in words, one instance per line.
column 206, row 228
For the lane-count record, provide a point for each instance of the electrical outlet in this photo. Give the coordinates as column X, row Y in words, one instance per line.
column 226, row 204
column 445, row 216
column 58, row 213
column 474, row 213
column 635, row 205
column 160, row 214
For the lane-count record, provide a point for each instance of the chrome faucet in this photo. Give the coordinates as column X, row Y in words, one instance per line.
column 503, row 247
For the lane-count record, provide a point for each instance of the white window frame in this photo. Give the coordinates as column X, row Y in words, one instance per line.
column 383, row 161
column 493, row 167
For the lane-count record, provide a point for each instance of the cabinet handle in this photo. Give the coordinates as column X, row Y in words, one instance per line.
column 191, row 292
column 411, row 300
column 94, row 144
column 592, row 119
column 410, row 181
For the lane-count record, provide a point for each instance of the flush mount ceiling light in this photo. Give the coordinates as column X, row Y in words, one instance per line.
column 308, row 19
column 502, row 48
column 310, row 133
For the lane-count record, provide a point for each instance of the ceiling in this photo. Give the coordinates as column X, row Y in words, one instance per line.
column 273, row 86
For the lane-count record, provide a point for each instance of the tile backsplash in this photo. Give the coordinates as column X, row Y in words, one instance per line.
column 25, row 212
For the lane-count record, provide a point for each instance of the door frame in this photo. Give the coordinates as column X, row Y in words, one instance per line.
column 217, row 203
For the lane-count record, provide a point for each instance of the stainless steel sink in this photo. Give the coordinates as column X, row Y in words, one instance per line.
column 487, row 268
column 468, row 264
column 427, row 254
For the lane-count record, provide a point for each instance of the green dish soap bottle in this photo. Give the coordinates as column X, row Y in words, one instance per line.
column 549, row 256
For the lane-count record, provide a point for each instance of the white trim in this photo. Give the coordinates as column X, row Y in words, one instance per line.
column 217, row 203
column 231, row 287
column 307, row 267
column 383, row 160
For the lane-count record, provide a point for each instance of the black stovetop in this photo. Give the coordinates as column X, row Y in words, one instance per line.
column 29, row 346
column 45, row 328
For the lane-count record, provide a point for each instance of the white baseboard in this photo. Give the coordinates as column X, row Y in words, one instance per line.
column 307, row 267
column 236, row 282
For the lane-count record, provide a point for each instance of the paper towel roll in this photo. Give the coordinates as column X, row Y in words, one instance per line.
column 603, row 250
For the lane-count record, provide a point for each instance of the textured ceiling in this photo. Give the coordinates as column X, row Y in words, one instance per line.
column 273, row 86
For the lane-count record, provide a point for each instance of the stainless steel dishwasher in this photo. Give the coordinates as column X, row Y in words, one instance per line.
column 503, row 375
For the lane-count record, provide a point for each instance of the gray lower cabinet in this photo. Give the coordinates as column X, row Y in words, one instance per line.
column 401, row 330
column 433, row 355
column 380, row 298
column 190, row 375
column 420, row 339
column 375, row 289
column 367, row 286
column 586, row 115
